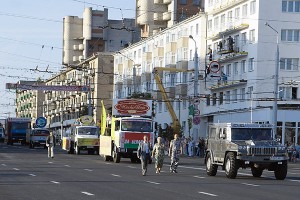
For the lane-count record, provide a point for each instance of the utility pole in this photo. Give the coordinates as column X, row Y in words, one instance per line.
column 196, row 77
column 275, row 81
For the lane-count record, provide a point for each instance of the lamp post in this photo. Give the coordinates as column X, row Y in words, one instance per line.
column 275, row 81
column 196, row 68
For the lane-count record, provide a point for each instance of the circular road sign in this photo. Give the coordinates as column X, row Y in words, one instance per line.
column 41, row 122
column 196, row 120
column 214, row 66
column 197, row 112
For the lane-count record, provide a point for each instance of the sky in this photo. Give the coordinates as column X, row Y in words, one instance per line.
column 31, row 37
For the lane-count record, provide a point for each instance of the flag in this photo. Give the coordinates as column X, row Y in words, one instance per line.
column 103, row 119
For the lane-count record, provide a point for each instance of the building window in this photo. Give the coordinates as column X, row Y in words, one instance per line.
column 228, row 70
column 251, row 64
column 287, row 93
column 243, row 66
column 252, row 7
column 223, row 20
column 237, row 13
column 244, row 38
column 227, row 97
column 234, row 95
column 214, row 99
column 230, row 16
column 184, row 104
column 290, row 6
column 183, row 2
column 216, row 23
column 243, row 94
column 208, row 100
column 235, row 68
column 221, row 98
column 289, row 64
column 159, row 107
column 250, row 92
column 196, row 2
column 197, row 29
column 290, row 35
column 209, row 25
column 252, row 36
column 245, row 10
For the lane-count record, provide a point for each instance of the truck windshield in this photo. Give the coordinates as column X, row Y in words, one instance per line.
column 87, row 131
column 136, row 125
column 251, row 134
column 16, row 126
column 38, row 132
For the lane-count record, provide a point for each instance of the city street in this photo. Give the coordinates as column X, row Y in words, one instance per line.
column 29, row 174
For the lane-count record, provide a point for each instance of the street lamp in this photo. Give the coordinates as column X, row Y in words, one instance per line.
column 196, row 68
column 275, row 80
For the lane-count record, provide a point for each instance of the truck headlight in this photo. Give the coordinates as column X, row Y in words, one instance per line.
column 242, row 147
column 281, row 148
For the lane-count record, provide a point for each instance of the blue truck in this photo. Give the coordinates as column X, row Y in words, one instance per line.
column 16, row 129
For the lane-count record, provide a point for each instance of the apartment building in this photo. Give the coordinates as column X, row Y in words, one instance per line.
column 29, row 102
column 63, row 108
column 243, row 36
column 94, row 32
column 153, row 16
column 170, row 48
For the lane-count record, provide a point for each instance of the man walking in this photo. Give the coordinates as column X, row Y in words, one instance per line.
column 143, row 154
column 50, row 143
column 174, row 152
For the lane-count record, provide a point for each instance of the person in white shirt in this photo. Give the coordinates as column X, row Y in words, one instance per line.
column 143, row 154
column 50, row 143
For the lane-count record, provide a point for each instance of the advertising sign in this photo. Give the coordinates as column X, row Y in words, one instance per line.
column 125, row 107
column 132, row 139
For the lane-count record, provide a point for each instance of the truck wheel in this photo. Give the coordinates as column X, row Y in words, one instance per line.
column 281, row 171
column 117, row 157
column 133, row 160
column 107, row 158
column 256, row 172
column 211, row 169
column 77, row 149
column 231, row 167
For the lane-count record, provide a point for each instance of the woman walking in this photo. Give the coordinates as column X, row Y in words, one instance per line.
column 158, row 153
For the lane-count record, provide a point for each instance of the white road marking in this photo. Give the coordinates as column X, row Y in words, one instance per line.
column 209, row 194
column 89, row 170
column 249, row 184
column 244, row 174
column 55, row 182
column 87, row 193
column 67, row 166
column 295, row 180
column 108, row 163
column 50, row 162
column 153, row 182
column 198, row 177
column 131, row 167
column 31, row 174
column 16, row 169
column 3, row 164
column 116, row 175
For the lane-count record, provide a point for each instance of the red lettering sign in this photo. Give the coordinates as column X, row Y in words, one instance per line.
column 132, row 107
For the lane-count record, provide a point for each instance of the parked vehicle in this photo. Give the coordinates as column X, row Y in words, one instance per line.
column 2, row 135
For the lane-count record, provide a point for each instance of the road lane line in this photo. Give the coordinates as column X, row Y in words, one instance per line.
column 249, row 184
column 87, row 193
column 67, row 166
column 116, row 175
column 3, row 164
column 209, row 194
column 131, row 167
column 16, row 169
column 295, row 180
column 89, row 170
column 198, row 177
column 153, row 182
column 50, row 162
column 55, row 182
column 31, row 174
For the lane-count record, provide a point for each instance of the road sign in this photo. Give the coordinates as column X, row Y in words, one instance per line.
column 196, row 101
column 41, row 122
column 197, row 112
column 214, row 66
column 196, row 120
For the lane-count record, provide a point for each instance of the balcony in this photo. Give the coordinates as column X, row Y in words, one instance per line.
column 231, row 27
column 171, row 92
column 158, row 17
column 167, row 1
column 227, row 84
column 223, row 5
column 146, row 77
column 158, row 52
column 182, row 89
column 232, row 56
column 183, row 64
column 147, row 56
column 166, row 16
column 183, row 42
column 171, row 47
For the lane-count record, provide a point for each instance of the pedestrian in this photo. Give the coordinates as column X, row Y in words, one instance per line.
column 174, row 153
column 143, row 154
column 158, row 153
column 50, row 143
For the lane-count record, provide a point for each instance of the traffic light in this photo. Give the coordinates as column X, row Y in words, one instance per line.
column 153, row 108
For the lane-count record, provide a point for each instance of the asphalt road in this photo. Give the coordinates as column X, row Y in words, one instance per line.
column 29, row 174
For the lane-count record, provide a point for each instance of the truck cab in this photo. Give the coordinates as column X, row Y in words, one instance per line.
column 38, row 137
column 244, row 145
